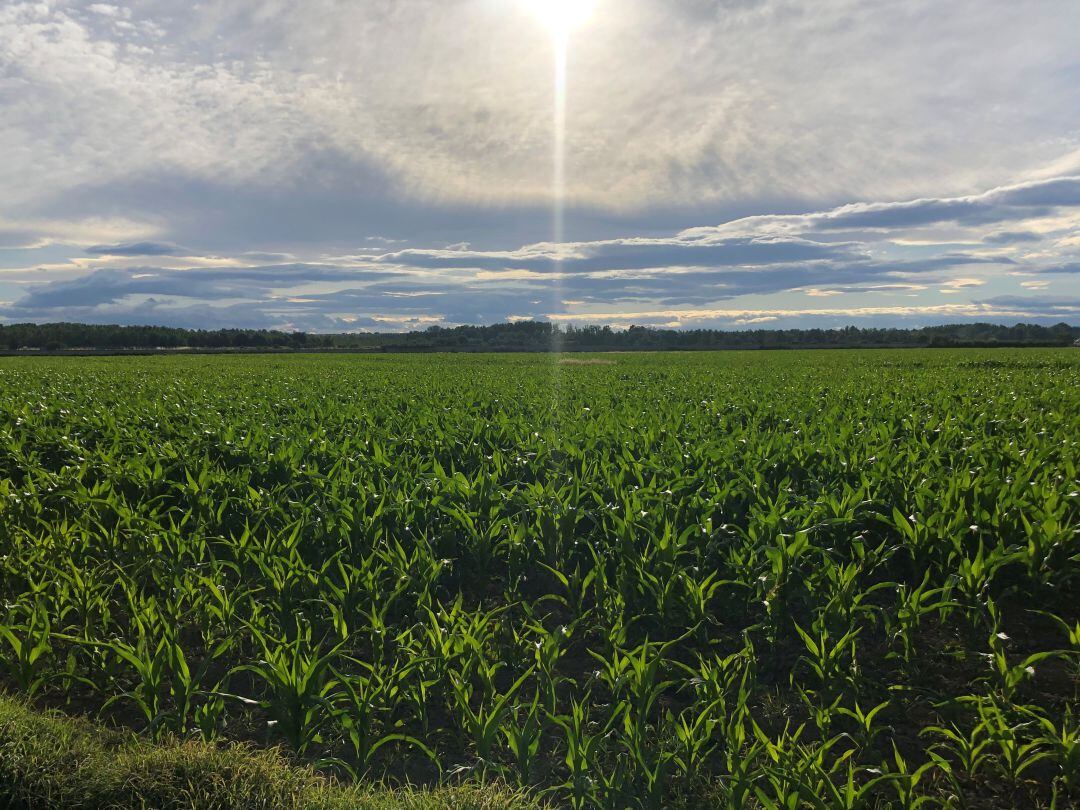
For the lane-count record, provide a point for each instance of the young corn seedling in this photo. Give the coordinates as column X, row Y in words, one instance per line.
column 864, row 722
column 906, row 781
column 913, row 605
column 1016, row 749
column 576, row 598
column 185, row 685
column 1010, row 677
column 209, row 713
column 822, row 709
column 831, row 662
column 363, row 709
column 974, row 576
column 548, row 647
column 483, row 723
column 298, row 680
column 30, row 645
column 148, row 657
column 1062, row 745
column 695, row 739
column 849, row 600
column 859, row 790
column 779, row 582
column 1072, row 633
column 794, row 773
column 150, row 664
column 1046, row 536
column 584, row 753
column 967, row 752
column 738, row 782
column 522, row 732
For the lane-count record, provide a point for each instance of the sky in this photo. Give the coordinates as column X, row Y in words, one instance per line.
column 350, row 165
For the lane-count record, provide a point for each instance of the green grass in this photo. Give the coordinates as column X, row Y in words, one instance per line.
column 744, row 580
column 51, row 761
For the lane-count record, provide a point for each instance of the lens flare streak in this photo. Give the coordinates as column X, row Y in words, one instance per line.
column 558, row 196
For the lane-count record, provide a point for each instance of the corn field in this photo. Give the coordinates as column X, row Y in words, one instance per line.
column 737, row 580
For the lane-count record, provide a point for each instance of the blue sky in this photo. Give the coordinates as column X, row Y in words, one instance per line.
column 387, row 164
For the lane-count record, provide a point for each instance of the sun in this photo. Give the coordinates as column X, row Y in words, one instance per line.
column 562, row 16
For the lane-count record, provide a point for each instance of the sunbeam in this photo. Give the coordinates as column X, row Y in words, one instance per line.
column 562, row 17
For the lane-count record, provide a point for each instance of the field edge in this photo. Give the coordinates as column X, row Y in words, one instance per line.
column 50, row 760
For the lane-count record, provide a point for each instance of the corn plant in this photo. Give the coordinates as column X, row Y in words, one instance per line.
column 521, row 732
column 29, row 644
column 1015, row 747
column 483, row 723
column 299, row 679
column 363, row 709
column 1009, row 676
column 1061, row 744
column 830, row 661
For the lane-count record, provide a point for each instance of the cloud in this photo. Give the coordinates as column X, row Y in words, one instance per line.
column 1011, row 237
column 107, row 10
column 1067, row 267
column 30, row 232
column 902, row 268
column 1019, row 203
column 1066, row 309
column 1009, row 202
column 961, row 283
column 451, row 102
column 139, row 249
column 757, row 319
column 628, row 254
column 994, row 309
column 110, row 285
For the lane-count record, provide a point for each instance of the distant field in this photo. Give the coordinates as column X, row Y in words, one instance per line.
column 798, row 579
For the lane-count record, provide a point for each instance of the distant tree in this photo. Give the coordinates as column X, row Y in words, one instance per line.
column 529, row 336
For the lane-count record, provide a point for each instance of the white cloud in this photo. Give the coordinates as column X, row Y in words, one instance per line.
column 1067, row 309
column 37, row 233
column 453, row 100
column 960, row 283
column 106, row 10
column 757, row 319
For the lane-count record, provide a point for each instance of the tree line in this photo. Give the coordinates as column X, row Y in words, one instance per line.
column 535, row 336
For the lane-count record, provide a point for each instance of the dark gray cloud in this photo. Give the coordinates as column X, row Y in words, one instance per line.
column 110, row 285
column 343, row 202
column 1067, row 267
column 139, row 249
column 1014, row 202
column 1011, row 237
column 1066, row 308
column 630, row 254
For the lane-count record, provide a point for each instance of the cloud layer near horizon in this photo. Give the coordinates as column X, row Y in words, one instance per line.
column 388, row 164
column 1000, row 251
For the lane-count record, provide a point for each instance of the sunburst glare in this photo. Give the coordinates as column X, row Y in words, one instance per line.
column 562, row 16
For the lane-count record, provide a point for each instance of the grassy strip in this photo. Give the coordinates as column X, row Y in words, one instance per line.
column 48, row 760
